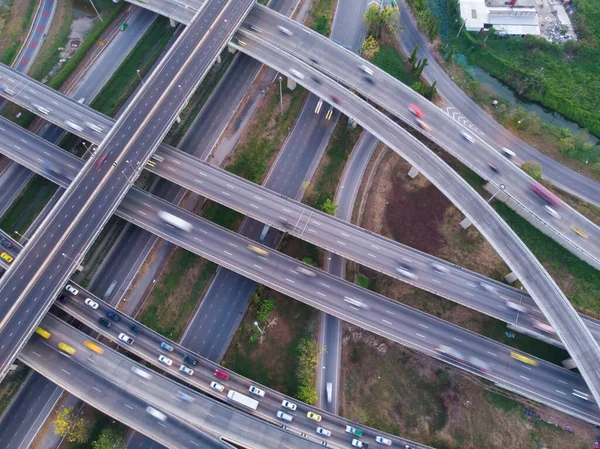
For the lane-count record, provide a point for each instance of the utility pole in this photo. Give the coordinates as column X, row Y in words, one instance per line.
column 281, row 94
column 97, row 13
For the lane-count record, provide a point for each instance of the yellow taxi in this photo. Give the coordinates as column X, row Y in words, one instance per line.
column 258, row 250
column 579, row 232
column 7, row 257
column 93, row 346
column 43, row 332
column 313, row 416
column 66, row 348
column 524, row 359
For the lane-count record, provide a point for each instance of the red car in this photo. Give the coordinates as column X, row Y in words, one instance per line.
column 220, row 374
column 336, row 99
column 415, row 110
column 100, row 162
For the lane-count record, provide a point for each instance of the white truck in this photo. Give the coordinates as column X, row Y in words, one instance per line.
column 175, row 221
column 242, row 399
column 329, row 391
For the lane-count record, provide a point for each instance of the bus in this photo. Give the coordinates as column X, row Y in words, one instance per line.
column 66, row 348
column 524, row 359
column 174, row 221
column 43, row 332
column 545, row 194
column 93, row 347
column 242, row 399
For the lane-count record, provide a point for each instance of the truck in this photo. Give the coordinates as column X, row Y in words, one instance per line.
column 329, row 391
column 174, row 221
column 242, row 399
column 354, row 431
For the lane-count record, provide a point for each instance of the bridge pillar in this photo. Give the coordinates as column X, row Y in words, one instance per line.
column 465, row 223
column 231, row 48
column 510, row 277
column 413, row 172
column 569, row 364
column 291, row 84
column 218, row 60
column 172, row 23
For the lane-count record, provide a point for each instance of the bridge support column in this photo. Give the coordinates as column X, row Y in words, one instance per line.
column 172, row 23
column 291, row 84
column 231, row 49
column 465, row 223
column 510, row 277
column 569, row 364
column 218, row 60
column 413, row 172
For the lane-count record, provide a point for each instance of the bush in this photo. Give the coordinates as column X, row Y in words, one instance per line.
column 308, row 356
column 533, row 169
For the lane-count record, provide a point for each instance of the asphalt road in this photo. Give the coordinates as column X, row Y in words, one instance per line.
column 106, row 383
column 35, row 38
column 147, row 346
column 557, row 173
column 120, row 156
column 366, row 309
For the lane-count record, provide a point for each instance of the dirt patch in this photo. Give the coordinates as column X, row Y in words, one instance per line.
column 406, row 393
column 12, row 23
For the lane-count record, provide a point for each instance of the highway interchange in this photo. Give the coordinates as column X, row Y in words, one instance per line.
column 257, row 50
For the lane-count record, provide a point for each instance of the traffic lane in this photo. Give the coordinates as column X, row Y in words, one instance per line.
column 103, row 395
column 386, row 92
column 116, row 140
column 178, row 11
column 163, row 393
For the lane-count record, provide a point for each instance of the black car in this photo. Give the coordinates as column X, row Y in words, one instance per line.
column 5, row 243
column 105, row 322
column 190, row 360
column 136, row 329
column 113, row 315
column 64, row 299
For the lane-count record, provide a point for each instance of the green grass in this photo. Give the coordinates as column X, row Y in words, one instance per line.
column 101, row 422
column 389, row 60
column 586, row 288
column 502, row 402
column 27, row 205
column 124, row 81
column 13, row 382
column 307, row 260
column 172, row 328
column 340, row 146
column 9, row 55
column 363, row 281
column 222, row 215
column 322, row 16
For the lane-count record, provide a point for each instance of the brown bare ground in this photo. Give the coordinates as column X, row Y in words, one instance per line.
column 11, row 24
column 392, row 388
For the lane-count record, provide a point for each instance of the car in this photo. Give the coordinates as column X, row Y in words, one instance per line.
column 543, row 327
column 423, row 125
column 190, row 360
column 257, row 391
column 140, row 372
column 406, row 446
column 287, row 404
column 240, row 42
column 257, row 250
column 254, row 28
column 136, row 329
column 5, row 243
column 440, row 268
column 314, row 416
column 285, row 31
column 306, row 272
column 42, row 109
column 467, row 136
column 284, row 416
column 104, row 322
column 184, row 396
column 126, row 338
column 63, row 298
column 517, row 307
column 365, row 68
column 524, row 359
column 297, row 74
column 158, row 415
column 101, row 161
column 313, row 60
column 415, row 110
column 551, row 211
column 493, row 167
column 355, row 302
column 316, row 80
column 508, row 153
column 383, row 440
column 166, row 347
column 217, row 386
column 335, row 99
column 324, row 431
column 164, row 359
column 186, row 370
column 221, row 374
column 93, row 304
column 488, row 287
column 124, row 26
column 71, row 289
column 113, row 316
column 579, row 232
column 354, row 431
column 369, row 80
column 357, row 443
column 406, row 271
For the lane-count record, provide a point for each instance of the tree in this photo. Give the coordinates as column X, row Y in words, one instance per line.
column 69, row 425
column 378, row 19
column 329, row 207
column 390, row 17
column 371, row 19
column 420, row 66
column 109, row 439
column 533, row 169
column 413, row 58
column 370, row 47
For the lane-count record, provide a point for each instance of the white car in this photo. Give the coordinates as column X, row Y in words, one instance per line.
column 288, row 404
column 285, row 31
column 166, row 360
column 126, row 338
column 90, row 302
column 256, row 391
column 186, row 370
column 439, row 267
column 355, row 302
column 158, row 415
column 552, row 212
column 217, row 386
column 407, row 274
column 184, row 396
column 488, row 287
column 357, row 443
column 297, row 74
column 323, row 431
column 140, row 372
column 467, row 136
column 365, row 68
column 306, row 272
column 71, row 289
column 382, row 440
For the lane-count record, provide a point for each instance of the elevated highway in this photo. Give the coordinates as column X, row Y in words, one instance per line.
column 551, row 385
column 55, row 250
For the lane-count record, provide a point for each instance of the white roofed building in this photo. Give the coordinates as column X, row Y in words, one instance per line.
column 509, row 20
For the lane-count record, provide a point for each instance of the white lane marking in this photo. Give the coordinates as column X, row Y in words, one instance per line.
column 376, row 247
column 436, row 281
column 344, row 234
column 422, row 336
column 287, row 210
column 561, row 392
column 390, row 312
column 65, row 371
column 98, row 390
column 341, row 243
column 372, row 255
column 457, row 339
column 491, row 353
column 325, row 285
column 254, row 206
column 258, row 266
column 128, row 406
column 229, row 254
column 422, row 325
column 562, row 382
column 387, row 322
column 321, row 294
column 289, row 280
column 471, row 285
column 523, row 377
column 470, row 294
column 257, row 198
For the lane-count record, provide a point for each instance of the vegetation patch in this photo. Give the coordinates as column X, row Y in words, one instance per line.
column 321, row 16
column 15, row 21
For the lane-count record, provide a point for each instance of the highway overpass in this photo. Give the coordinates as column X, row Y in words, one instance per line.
column 55, row 250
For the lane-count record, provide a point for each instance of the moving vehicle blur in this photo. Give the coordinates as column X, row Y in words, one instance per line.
column 523, row 358
column 258, row 250
column 7, row 257
column 415, row 110
column 579, row 232
column 285, row 31
column 174, row 221
column 545, row 194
